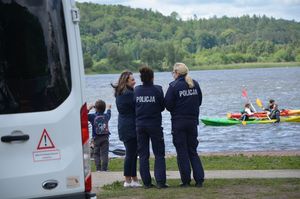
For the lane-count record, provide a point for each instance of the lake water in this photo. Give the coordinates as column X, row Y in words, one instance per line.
column 222, row 93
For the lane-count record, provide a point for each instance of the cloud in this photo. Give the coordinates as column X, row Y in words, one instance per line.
column 288, row 2
column 286, row 9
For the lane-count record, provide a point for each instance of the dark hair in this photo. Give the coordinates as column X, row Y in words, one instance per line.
column 271, row 101
column 100, row 106
column 146, row 74
column 120, row 87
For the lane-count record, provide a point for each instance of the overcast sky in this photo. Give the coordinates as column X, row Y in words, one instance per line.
column 285, row 9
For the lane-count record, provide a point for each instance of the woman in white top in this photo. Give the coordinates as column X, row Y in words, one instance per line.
column 247, row 112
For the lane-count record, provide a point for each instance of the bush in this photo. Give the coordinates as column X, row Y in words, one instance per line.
column 297, row 58
column 235, row 58
column 102, row 66
column 280, row 55
column 87, row 61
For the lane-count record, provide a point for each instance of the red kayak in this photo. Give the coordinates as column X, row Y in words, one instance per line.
column 283, row 112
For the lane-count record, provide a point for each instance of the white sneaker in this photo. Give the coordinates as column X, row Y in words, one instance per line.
column 135, row 184
column 127, row 184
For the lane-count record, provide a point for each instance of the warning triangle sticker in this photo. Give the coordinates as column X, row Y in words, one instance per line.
column 45, row 141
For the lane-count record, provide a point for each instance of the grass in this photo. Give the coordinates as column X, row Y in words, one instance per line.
column 216, row 188
column 235, row 162
column 213, row 188
column 245, row 65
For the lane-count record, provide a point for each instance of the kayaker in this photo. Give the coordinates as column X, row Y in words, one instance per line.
column 273, row 110
column 247, row 112
column 183, row 99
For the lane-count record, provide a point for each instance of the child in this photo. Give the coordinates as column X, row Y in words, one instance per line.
column 100, row 136
column 246, row 112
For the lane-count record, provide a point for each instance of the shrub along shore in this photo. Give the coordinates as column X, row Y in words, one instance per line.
column 214, row 67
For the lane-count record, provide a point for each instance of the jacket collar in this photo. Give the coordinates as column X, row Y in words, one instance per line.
column 148, row 84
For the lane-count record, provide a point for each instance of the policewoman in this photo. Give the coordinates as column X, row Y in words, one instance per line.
column 183, row 99
column 149, row 103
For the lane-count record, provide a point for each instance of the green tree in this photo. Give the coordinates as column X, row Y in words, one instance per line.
column 188, row 45
column 116, row 37
column 174, row 15
column 228, row 36
column 207, row 40
column 87, row 60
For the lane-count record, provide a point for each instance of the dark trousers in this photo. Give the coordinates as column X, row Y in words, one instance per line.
column 244, row 117
column 185, row 135
column 156, row 136
column 275, row 114
column 130, row 157
column 101, row 149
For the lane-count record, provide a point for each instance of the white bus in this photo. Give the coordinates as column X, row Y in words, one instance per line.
column 44, row 150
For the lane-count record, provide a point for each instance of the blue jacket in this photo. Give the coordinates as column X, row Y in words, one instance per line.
column 183, row 102
column 149, row 103
column 91, row 118
column 126, row 117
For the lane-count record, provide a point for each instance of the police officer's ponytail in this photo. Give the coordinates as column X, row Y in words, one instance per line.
column 182, row 69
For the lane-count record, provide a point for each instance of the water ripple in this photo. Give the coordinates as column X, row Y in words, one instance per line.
column 221, row 94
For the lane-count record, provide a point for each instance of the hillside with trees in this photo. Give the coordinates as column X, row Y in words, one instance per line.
column 116, row 37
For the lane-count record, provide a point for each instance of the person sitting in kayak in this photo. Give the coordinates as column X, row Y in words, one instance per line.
column 273, row 110
column 246, row 112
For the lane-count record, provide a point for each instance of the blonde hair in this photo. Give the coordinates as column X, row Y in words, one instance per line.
column 182, row 69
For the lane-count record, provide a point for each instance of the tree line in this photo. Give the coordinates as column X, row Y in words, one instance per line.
column 116, row 37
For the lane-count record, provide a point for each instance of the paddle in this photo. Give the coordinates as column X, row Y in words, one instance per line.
column 228, row 115
column 120, row 152
column 259, row 104
column 244, row 122
column 244, row 94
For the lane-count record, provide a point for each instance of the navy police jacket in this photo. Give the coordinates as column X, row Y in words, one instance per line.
column 126, row 117
column 149, row 103
column 183, row 102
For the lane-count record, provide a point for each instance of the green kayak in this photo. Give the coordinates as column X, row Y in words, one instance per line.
column 228, row 122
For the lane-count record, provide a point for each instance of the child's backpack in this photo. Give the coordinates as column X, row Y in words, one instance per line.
column 100, row 125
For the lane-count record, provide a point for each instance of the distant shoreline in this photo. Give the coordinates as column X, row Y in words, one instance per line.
column 253, row 153
column 247, row 65
column 244, row 153
column 218, row 67
column 238, row 153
